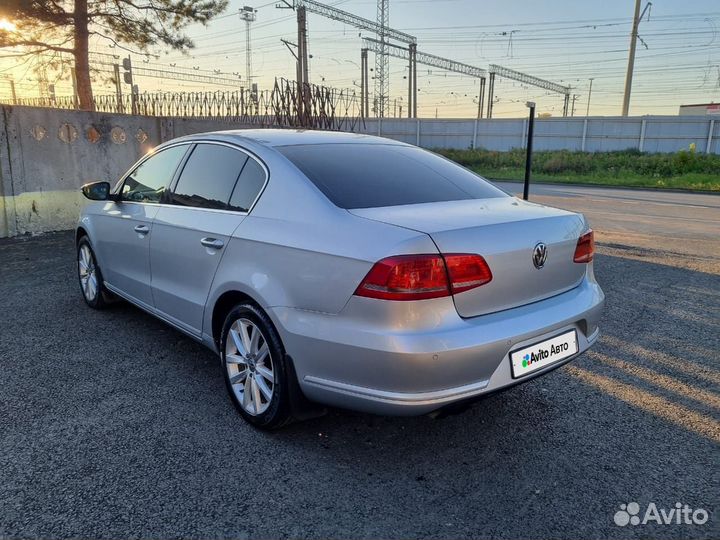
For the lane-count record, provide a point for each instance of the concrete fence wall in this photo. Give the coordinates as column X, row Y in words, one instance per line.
column 47, row 154
column 593, row 134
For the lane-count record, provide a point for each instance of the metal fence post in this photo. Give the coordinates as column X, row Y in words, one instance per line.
column 710, row 134
column 584, row 135
column 642, row 135
column 475, row 132
column 528, row 156
column 417, row 133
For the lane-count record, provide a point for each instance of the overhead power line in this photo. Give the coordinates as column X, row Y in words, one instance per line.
column 527, row 79
column 340, row 15
column 415, row 56
column 163, row 72
column 429, row 59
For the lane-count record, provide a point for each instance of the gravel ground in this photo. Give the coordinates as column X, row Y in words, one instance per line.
column 113, row 425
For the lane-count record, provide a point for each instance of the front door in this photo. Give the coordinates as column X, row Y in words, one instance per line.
column 126, row 226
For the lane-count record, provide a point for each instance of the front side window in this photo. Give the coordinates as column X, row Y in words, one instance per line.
column 150, row 179
column 209, row 176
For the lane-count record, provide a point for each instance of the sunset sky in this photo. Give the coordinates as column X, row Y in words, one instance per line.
column 564, row 41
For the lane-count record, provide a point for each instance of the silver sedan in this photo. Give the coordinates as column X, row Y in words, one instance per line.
column 341, row 269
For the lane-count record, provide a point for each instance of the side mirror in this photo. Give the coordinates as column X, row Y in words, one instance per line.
column 97, row 191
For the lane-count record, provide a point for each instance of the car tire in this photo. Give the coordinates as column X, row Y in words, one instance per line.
column 255, row 368
column 90, row 277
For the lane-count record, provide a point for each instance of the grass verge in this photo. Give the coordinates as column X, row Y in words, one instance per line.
column 682, row 170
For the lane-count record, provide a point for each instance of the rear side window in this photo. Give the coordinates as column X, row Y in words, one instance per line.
column 375, row 175
column 148, row 181
column 208, row 178
column 248, row 186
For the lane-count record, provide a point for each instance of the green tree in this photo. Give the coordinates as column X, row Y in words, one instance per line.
column 66, row 26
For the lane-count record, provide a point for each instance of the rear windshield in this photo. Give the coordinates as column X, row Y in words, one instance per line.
column 375, row 175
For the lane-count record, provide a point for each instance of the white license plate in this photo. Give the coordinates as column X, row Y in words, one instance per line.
column 528, row 359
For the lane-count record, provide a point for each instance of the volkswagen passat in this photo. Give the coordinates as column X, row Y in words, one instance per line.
column 341, row 269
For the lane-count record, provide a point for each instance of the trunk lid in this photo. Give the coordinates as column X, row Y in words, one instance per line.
column 505, row 231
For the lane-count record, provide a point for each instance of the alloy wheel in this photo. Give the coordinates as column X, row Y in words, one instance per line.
column 249, row 366
column 88, row 273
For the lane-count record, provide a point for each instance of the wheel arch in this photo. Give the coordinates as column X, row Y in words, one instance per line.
column 79, row 233
column 222, row 306
column 300, row 406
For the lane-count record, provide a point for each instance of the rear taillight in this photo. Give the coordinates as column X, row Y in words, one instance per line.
column 406, row 277
column 585, row 248
column 467, row 272
column 419, row 277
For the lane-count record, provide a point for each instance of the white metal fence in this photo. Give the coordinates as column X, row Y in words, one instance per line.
column 592, row 134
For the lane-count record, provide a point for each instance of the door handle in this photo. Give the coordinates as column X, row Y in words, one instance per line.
column 213, row 243
column 142, row 229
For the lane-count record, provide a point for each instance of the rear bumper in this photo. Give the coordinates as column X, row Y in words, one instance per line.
column 425, row 356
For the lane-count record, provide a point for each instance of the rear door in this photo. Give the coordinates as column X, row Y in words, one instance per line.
column 124, row 228
column 212, row 195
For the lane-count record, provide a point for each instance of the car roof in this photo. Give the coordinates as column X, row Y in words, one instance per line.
column 291, row 137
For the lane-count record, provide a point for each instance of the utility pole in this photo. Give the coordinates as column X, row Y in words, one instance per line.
column 43, row 83
column 410, row 79
column 382, row 79
column 491, row 91
column 631, row 58
column 572, row 110
column 302, row 57
column 118, row 88
column 12, row 91
column 74, row 86
column 566, row 103
column 481, row 96
column 302, row 97
column 304, row 89
column 249, row 15
column 587, row 112
column 414, row 79
column 298, row 72
column 302, row 14
column 364, row 85
column 363, row 74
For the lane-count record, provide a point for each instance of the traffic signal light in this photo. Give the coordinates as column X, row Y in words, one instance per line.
column 127, row 74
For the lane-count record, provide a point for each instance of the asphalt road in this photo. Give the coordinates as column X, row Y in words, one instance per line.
column 113, row 425
column 671, row 222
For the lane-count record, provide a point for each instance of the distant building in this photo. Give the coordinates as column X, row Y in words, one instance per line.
column 701, row 109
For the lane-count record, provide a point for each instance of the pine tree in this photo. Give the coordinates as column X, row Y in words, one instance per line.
column 66, row 26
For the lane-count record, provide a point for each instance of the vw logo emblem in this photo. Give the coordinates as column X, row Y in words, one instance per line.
column 539, row 255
